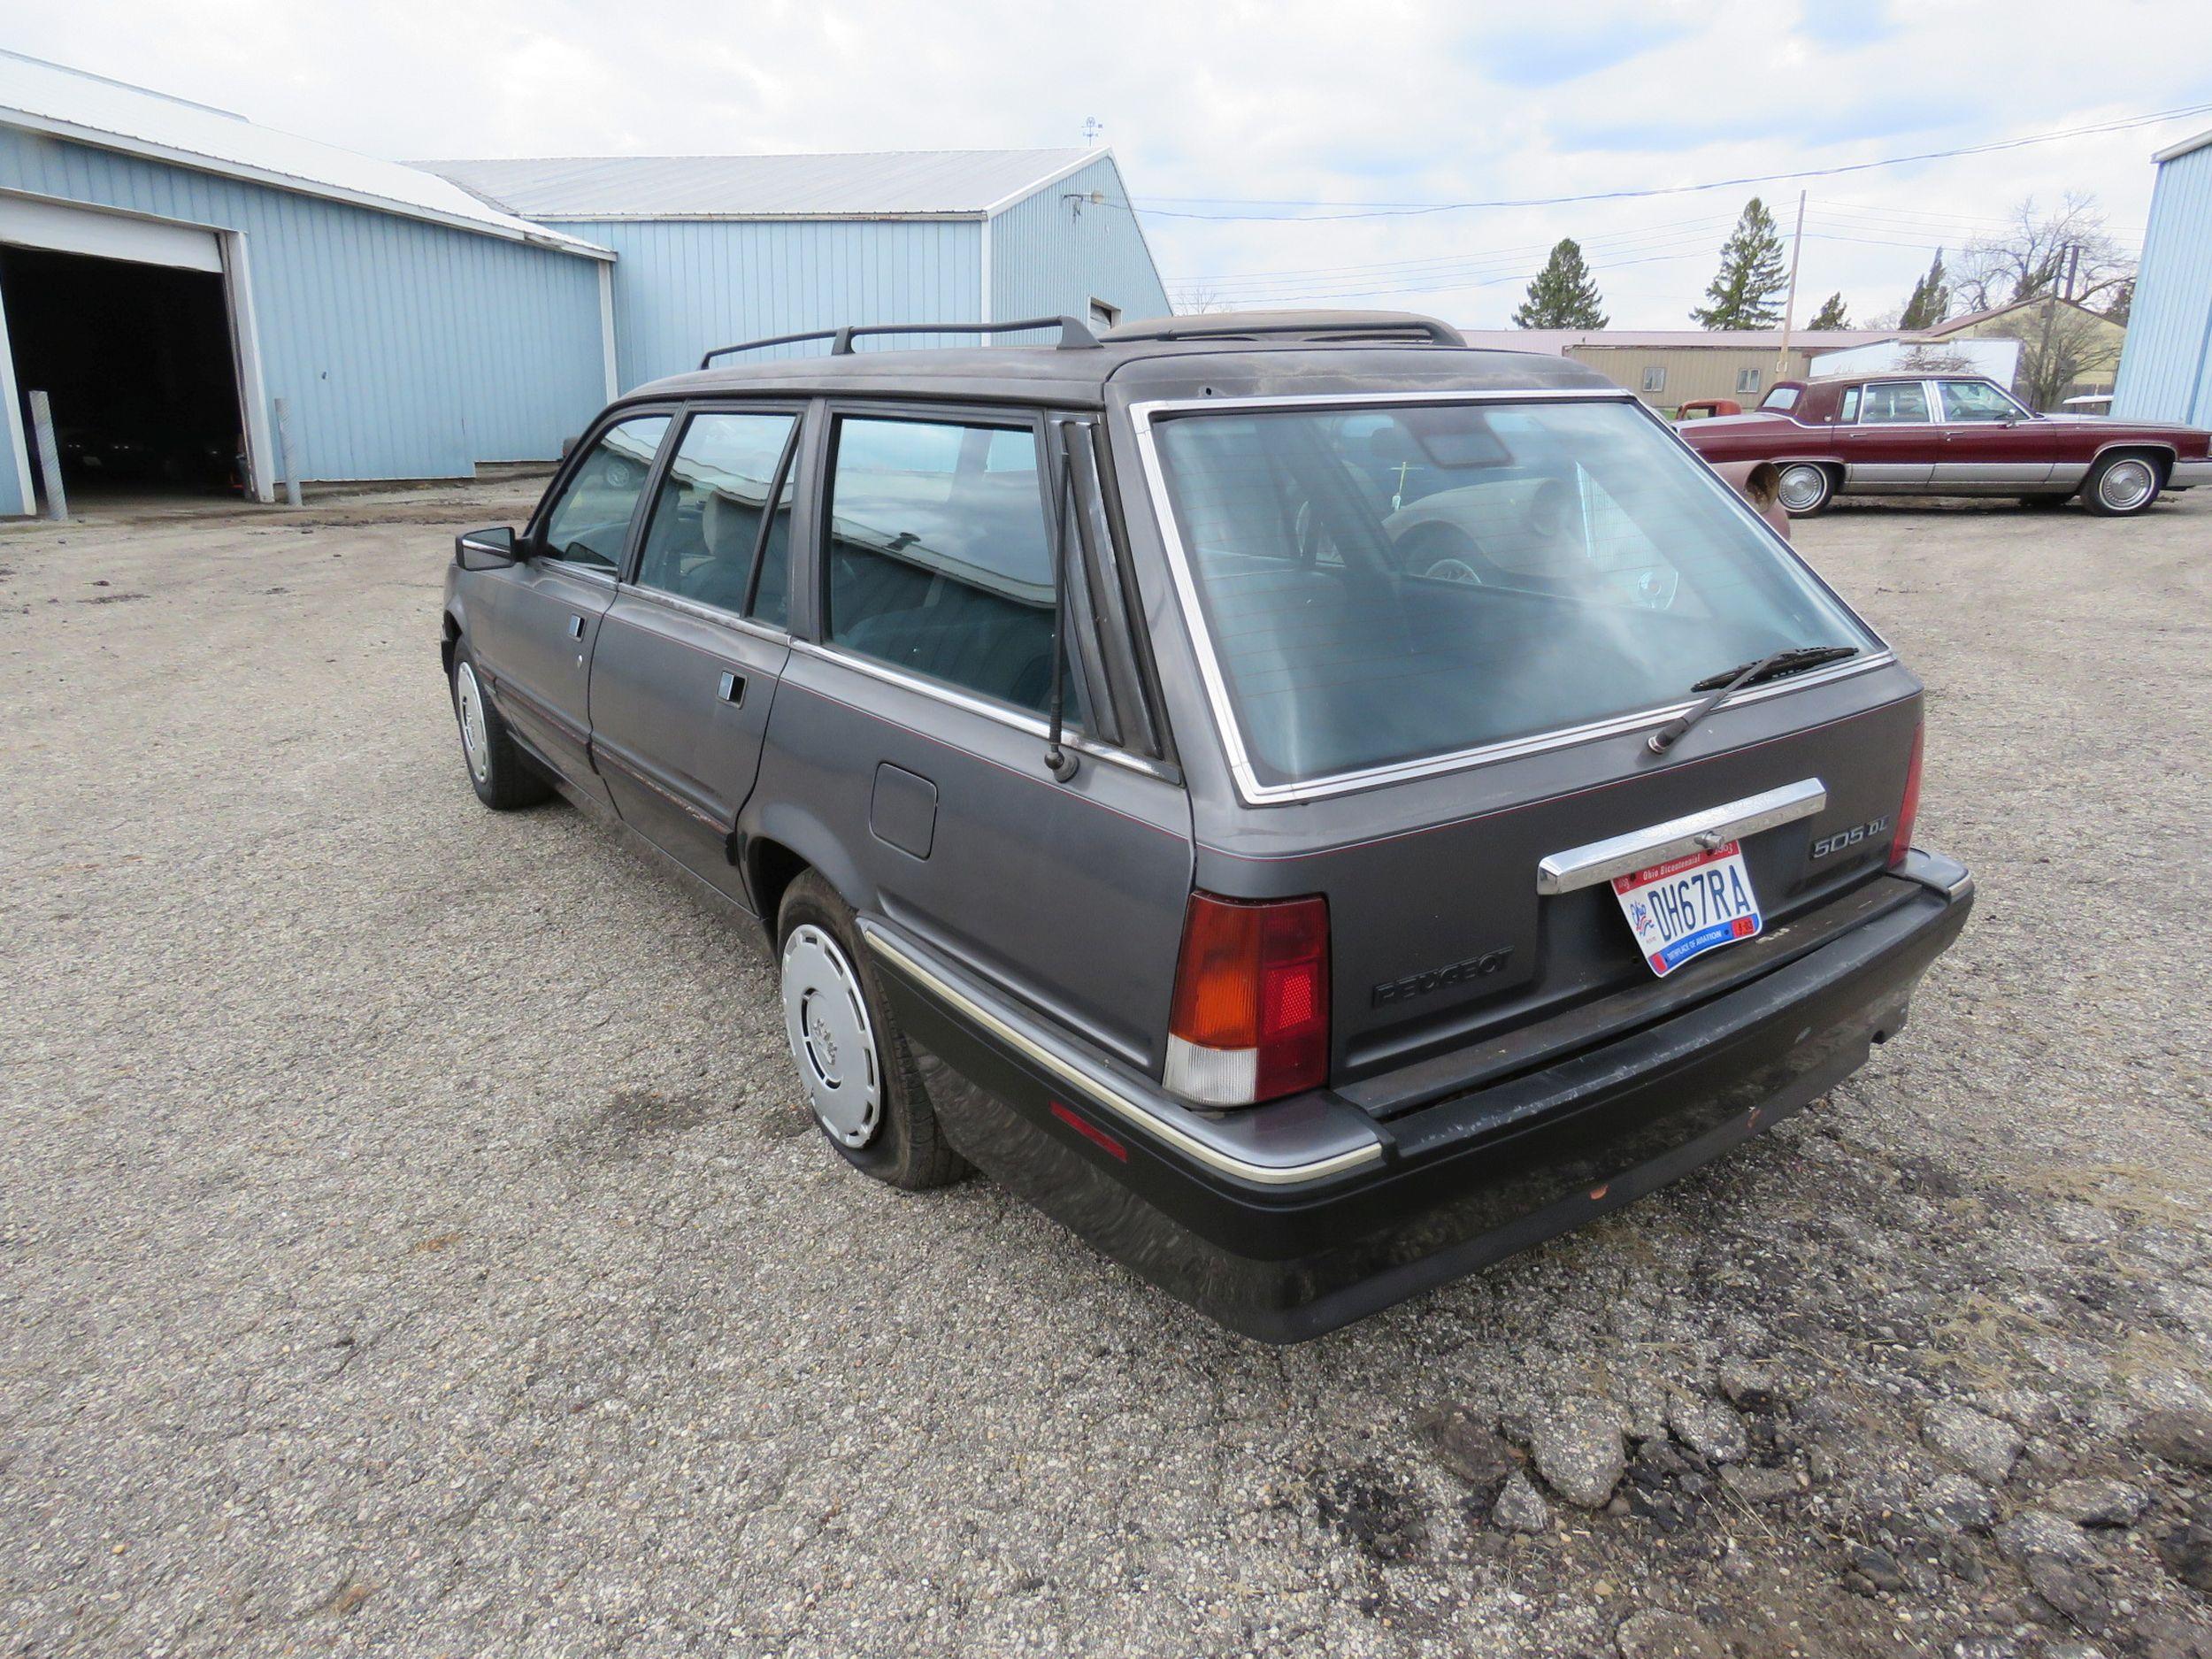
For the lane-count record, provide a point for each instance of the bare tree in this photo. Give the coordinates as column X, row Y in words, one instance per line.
column 1198, row 298
column 2040, row 253
column 2058, row 343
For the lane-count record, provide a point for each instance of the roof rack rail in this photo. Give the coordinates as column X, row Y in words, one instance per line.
column 1239, row 326
column 1073, row 336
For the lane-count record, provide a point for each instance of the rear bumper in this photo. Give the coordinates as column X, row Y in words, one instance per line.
column 1287, row 1221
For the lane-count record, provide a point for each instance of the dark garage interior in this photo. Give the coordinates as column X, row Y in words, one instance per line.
column 136, row 360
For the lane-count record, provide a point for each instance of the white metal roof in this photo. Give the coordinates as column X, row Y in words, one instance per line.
column 1558, row 340
column 2173, row 151
column 110, row 115
column 886, row 184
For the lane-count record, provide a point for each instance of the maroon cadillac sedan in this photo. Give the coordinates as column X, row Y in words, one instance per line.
column 1949, row 434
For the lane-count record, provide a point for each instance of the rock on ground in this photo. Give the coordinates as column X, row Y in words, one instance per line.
column 1520, row 1508
column 1982, row 1446
column 1577, row 1445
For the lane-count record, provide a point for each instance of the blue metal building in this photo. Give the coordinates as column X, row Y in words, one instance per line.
column 2166, row 366
column 170, row 274
column 717, row 248
column 411, row 330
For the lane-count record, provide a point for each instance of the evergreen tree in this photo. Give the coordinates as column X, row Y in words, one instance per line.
column 1751, row 277
column 1931, row 300
column 1830, row 314
column 1564, row 293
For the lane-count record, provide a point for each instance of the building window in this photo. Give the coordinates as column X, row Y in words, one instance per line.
column 1103, row 315
column 1655, row 379
column 1746, row 380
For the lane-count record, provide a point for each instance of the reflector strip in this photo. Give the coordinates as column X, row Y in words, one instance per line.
column 1091, row 1133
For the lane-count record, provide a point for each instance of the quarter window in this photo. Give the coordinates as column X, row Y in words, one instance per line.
column 707, row 519
column 1893, row 402
column 939, row 560
column 589, row 524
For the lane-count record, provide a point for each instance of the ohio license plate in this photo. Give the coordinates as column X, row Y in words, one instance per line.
column 1689, row 906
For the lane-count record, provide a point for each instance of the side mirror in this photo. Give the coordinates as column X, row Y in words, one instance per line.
column 490, row 550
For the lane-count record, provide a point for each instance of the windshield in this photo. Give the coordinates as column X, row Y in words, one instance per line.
column 1386, row 584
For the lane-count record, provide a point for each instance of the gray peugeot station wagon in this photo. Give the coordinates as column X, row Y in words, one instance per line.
column 1311, row 806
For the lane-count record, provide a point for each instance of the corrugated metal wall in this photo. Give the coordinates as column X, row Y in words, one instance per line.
column 1051, row 256
column 2166, row 370
column 683, row 285
column 406, row 349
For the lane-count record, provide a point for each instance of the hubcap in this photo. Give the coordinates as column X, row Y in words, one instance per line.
column 1802, row 488
column 2127, row 485
column 468, row 701
column 1454, row 571
column 831, row 1040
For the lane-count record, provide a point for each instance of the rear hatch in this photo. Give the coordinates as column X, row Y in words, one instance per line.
column 1437, row 638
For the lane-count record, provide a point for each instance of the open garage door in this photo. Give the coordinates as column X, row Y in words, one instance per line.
column 129, row 326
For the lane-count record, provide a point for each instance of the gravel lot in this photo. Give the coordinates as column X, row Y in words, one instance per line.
column 410, row 1241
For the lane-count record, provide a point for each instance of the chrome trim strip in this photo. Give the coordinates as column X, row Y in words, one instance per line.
column 700, row 611
column 1244, row 776
column 1586, row 866
column 1103, row 1095
column 989, row 711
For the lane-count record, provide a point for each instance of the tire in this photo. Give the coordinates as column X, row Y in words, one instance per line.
column 497, row 769
column 1805, row 488
column 1445, row 553
column 2121, row 486
column 853, row 1062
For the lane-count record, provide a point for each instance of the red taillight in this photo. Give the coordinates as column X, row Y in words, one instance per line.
column 1902, row 842
column 1250, row 1018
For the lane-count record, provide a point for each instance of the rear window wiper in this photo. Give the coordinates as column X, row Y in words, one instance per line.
column 1730, row 681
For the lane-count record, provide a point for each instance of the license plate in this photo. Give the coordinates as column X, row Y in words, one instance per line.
column 1689, row 906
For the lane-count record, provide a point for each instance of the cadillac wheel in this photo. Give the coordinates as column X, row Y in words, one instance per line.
column 1805, row 489
column 854, row 1068
column 2121, row 485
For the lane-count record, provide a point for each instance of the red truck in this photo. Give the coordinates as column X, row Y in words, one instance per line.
column 1949, row 434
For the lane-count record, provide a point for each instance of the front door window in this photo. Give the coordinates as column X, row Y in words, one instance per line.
column 1976, row 400
column 589, row 524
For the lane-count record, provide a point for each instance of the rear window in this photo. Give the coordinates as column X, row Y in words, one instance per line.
column 1381, row 586
column 1782, row 398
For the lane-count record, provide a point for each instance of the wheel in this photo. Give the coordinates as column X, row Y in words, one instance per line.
column 2121, row 486
column 1444, row 553
column 1805, row 488
column 854, row 1064
column 500, row 772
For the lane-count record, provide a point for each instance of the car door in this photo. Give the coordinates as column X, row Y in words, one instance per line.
column 913, row 711
column 688, row 660
column 536, row 639
column 1990, row 445
column 1886, row 448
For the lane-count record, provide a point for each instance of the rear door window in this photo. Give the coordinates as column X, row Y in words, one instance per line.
column 590, row 523
column 939, row 559
column 707, row 520
column 1893, row 403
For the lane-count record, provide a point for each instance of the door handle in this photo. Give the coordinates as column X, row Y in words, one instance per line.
column 576, row 627
column 731, row 689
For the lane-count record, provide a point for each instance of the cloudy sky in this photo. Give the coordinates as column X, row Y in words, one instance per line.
column 1247, row 131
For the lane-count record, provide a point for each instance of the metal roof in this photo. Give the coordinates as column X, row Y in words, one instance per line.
column 885, row 184
column 1674, row 339
column 2174, row 152
column 90, row 109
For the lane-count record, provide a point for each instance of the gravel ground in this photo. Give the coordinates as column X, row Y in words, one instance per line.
column 410, row 1241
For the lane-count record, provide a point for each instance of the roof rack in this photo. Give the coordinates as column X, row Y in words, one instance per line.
column 1341, row 326
column 1073, row 336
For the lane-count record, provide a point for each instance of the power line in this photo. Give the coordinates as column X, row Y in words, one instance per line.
column 1410, row 209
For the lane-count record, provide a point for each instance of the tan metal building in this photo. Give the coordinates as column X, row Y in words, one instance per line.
column 1668, row 367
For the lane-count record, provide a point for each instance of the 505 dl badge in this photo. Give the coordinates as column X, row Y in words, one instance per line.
column 1843, row 840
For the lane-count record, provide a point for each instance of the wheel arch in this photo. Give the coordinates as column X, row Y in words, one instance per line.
column 2164, row 454
column 787, row 842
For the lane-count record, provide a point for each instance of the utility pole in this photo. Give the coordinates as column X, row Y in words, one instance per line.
column 1789, row 304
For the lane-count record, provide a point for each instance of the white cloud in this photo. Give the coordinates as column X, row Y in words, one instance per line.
column 1410, row 100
